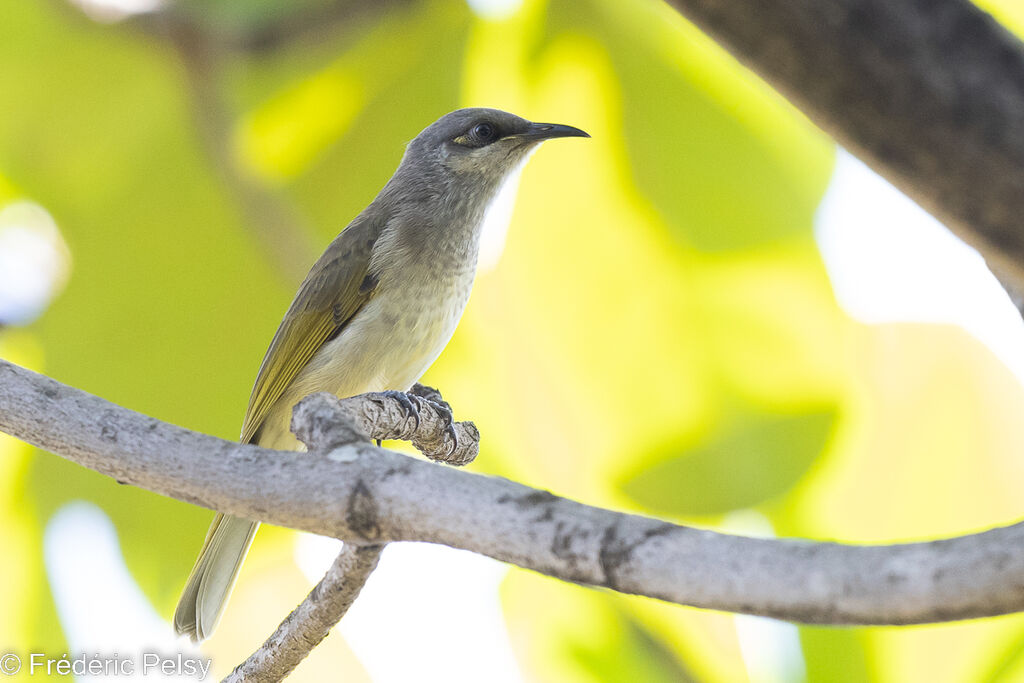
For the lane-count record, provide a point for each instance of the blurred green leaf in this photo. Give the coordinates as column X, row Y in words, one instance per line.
column 639, row 655
column 159, row 312
column 835, row 654
column 759, row 457
column 403, row 93
column 254, row 22
column 570, row 633
column 1009, row 12
column 697, row 129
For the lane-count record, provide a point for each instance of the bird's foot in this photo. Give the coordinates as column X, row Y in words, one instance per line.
column 408, row 406
column 429, row 393
column 434, row 396
column 412, row 403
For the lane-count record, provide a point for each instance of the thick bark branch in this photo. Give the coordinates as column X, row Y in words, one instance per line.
column 930, row 93
column 368, row 495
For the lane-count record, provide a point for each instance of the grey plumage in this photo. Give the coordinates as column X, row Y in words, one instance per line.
column 377, row 307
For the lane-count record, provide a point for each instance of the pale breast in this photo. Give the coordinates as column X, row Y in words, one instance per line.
column 388, row 344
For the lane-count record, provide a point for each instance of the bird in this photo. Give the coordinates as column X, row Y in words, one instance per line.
column 376, row 309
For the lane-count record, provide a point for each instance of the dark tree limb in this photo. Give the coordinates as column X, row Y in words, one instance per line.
column 929, row 93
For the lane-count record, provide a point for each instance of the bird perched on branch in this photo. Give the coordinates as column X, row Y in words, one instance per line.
column 376, row 309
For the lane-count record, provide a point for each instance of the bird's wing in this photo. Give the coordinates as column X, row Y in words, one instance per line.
column 338, row 284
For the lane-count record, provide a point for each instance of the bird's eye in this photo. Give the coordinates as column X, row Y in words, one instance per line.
column 484, row 132
column 480, row 135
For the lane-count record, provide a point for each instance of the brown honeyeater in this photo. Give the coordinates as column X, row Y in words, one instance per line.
column 377, row 307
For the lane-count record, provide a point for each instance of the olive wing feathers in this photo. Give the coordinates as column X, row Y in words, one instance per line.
column 337, row 285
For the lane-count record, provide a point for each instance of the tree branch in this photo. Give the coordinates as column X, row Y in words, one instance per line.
column 384, row 416
column 274, row 28
column 368, row 495
column 312, row 620
column 285, row 240
column 930, row 93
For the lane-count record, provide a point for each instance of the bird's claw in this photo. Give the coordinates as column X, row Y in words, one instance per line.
column 411, row 402
column 449, row 419
column 455, row 439
column 408, row 406
column 429, row 393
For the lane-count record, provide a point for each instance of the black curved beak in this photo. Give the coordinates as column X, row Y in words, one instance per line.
column 547, row 131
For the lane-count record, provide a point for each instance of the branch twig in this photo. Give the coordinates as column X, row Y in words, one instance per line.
column 423, row 418
column 276, row 225
column 312, row 620
column 279, row 27
column 368, row 495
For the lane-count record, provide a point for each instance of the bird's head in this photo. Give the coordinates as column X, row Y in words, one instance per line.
column 482, row 146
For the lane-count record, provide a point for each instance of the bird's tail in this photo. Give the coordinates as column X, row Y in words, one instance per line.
column 213, row 576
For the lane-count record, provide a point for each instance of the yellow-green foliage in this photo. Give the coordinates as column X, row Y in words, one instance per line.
column 659, row 335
